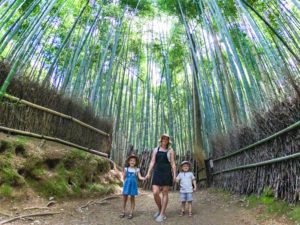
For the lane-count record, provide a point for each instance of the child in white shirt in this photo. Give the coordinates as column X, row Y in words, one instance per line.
column 187, row 181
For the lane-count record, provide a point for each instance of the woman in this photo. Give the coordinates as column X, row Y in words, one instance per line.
column 163, row 176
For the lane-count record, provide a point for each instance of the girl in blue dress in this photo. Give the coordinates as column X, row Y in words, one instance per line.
column 131, row 174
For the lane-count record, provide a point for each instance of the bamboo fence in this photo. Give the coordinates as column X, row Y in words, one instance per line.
column 271, row 162
column 25, row 133
column 23, row 115
column 12, row 98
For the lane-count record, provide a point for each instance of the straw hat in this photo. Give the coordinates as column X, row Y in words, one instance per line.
column 185, row 162
column 133, row 156
column 165, row 135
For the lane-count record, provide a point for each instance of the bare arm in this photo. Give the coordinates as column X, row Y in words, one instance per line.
column 124, row 174
column 195, row 185
column 152, row 162
column 140, row 176
column 173, row 165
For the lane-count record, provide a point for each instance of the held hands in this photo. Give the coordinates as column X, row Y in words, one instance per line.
column 147, row 176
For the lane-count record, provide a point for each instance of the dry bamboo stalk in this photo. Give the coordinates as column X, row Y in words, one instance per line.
column 4, row 214
column 10, row 97
column 26, row 133
column 29, row 215
column 101, row 201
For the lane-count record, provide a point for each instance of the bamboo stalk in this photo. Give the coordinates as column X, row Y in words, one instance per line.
column 10, row 97
column 267, row 162
column 26, row 133
column 289, row 128
column 29, row 215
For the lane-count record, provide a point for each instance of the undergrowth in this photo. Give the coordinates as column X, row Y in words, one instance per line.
column 272, row 206
column 76, row 173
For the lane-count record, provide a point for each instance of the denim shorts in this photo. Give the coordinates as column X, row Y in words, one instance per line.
column 186, row 197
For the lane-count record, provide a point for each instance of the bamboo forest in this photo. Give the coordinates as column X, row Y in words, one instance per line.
column 88, row 85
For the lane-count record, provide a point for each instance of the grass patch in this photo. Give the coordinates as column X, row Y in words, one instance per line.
column 100, row 188
column 77, row 154
column 38, row 173
column 6, row 190
column 21, row 140
column 75, row 174
column 225, row 194
column 273, row 206
column 294, row 214
column 57, row 187
column 5, row 146
column 10, row 176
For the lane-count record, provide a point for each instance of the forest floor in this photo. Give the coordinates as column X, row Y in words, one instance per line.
column 210, row 207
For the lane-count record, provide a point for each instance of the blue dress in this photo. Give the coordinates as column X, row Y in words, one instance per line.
column 130, row 185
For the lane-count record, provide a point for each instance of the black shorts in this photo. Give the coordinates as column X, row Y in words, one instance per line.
column 162, row 179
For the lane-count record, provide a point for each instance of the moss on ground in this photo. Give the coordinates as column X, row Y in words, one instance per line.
column 273, row 206
column 6, row 190
column 268, row 205
column 73, row 173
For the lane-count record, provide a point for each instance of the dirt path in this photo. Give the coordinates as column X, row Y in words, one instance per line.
column 210, row 208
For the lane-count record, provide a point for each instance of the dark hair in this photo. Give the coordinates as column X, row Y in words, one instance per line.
column 128, row 159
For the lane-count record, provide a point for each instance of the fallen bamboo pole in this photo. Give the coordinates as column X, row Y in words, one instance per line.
column 12, row 98
column 267, row 162
column 292, row 127
column 29, row 215
column 26, row 133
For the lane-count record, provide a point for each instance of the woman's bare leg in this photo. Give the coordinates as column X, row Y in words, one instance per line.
column 157, row 199
column 165, row 199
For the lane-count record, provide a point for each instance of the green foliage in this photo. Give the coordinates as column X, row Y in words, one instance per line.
column 100, row 188
column 5, row 145
column 112, row 10
column 144, row 8
column 171, row 7
column 54, row 186
column 228, row 8
column 294, row 214
column 22, row 140
column 38, row 173
column 177, row 51
column 273, row 206
column 6, row 190
column 9, row 176
column 74, row 175
column 268, row 192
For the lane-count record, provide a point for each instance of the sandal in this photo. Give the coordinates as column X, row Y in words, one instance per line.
column 181, row 213
column 130, row 216
column 190, row 214
column 122, row 215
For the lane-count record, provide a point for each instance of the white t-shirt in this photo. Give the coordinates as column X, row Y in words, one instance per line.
column 132, row 170
column 186, row 181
